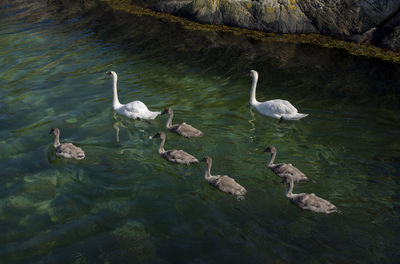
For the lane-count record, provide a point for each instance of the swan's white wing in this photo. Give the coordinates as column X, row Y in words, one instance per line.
column 276, row 107
column 136, row 107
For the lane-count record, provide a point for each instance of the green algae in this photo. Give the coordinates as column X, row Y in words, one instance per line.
column 132, row 235
column 314, row 39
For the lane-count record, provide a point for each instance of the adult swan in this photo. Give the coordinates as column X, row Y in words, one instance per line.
column 279, row 109
column 135, row 109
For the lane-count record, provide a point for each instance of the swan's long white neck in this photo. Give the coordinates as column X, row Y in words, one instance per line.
column 253, row 100
column 57, row 140
column 207, row 174
column 169, row 122
column 289, row 188
column 116, row 103
column 161, row 149
column 271, row 159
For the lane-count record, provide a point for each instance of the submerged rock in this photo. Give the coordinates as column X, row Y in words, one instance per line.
column 67, row 207
column 133, row 236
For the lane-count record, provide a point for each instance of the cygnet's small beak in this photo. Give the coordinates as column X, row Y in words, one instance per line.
column 155, row 136
column 265, row 150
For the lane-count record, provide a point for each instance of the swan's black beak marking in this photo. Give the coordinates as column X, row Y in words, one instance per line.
column 108, row 73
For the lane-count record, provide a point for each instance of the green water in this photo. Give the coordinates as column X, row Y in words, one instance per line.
column 124, row 204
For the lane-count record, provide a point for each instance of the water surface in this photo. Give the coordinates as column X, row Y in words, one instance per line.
column 124, row 204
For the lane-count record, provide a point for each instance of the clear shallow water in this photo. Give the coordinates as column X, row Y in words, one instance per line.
column 124, row 203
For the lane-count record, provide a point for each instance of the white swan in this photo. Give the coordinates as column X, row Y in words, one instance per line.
column 135, row 109
column 279, row 109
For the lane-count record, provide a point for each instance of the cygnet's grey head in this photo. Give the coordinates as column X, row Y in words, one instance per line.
column 159, row 134
column 54, row 131
column 270, row 149
column 167, row 110
column 206, row 159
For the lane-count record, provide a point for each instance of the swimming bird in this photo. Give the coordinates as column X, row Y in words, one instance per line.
column 278, row 108
column 308, row 201
column 66, row 150
column 135, row 109
column 175, row 156
column 224, row 182
column 284, row 170
column 182, row 129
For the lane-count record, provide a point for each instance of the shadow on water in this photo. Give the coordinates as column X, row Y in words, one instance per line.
column 295, row 70
column 292, row 70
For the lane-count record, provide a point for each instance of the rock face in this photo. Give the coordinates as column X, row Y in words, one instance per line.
column 374, row 22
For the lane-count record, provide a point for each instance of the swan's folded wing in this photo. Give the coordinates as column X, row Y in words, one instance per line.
column 187, row 130
column 136, row 106
column 278, row 106
column 229, row 185
column 182, row 157
column 285, row 169
column 69, row 150
column 317, row 204
column 301, row 199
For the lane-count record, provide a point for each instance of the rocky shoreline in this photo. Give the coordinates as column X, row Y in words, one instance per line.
column 379, row 38
column 375, row 22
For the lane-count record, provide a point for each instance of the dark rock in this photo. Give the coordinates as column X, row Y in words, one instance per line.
column 392, row 40
column 368, row 22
